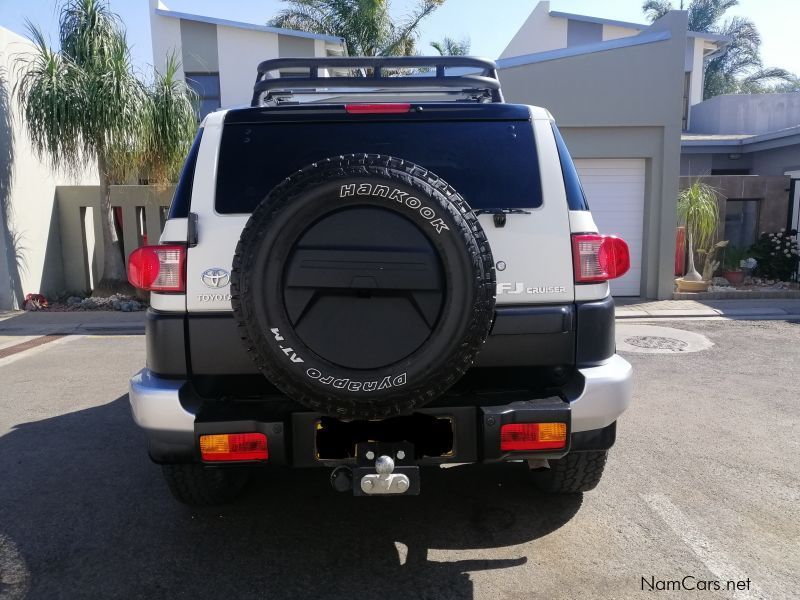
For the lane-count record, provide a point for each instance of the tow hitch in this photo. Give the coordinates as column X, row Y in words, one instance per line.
column 381, row 469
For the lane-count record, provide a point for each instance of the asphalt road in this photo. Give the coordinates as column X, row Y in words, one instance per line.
column 704, row 482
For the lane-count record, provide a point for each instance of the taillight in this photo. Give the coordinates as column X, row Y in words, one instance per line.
column 533, row 436
column 158, row 268
column 234, row 446
column 598, row 257
column 377, row 109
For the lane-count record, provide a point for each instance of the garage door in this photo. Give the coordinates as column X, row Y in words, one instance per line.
column 615, row 190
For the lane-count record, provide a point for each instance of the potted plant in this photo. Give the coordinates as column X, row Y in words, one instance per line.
column 732, row 265
column 699, row 213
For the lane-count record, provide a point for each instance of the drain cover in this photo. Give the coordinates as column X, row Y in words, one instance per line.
column 656, row 341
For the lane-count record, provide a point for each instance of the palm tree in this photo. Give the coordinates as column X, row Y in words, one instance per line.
column 83, row 103
column 452, row 47
column 738, row 68
column 699, row 212
column 365, row 25
column 171, row 124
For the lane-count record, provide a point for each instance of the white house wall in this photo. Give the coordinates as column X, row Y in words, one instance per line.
column 614, row 32
column 539, row 33
column 695, row 66
column 27, row 192
column 165, row 35
column 240, row 51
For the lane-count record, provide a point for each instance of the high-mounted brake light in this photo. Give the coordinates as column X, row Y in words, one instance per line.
column 598, row 258
column 158, row 268
column 234, row 446
column 533, row 436
column 377, row 109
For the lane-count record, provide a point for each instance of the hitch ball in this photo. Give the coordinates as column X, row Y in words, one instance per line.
column 384, row 465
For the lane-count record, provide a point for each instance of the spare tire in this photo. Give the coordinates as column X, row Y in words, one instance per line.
column 363, row 286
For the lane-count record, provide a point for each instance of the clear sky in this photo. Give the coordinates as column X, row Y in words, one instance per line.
column 489, row 24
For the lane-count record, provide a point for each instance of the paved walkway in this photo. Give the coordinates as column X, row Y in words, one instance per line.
column 20, row 323
column 635, row 308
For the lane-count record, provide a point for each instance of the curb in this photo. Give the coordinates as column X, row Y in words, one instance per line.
column 83, row 329
column 734, row 314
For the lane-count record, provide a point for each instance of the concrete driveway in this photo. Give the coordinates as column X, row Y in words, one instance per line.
column 704, row 483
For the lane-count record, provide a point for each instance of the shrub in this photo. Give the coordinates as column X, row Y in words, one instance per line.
column 777, row 255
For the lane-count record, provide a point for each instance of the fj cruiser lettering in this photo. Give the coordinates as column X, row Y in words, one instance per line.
column 380, row 286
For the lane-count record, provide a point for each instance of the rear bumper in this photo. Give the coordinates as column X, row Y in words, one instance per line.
column 580, row 333
column 170, row 421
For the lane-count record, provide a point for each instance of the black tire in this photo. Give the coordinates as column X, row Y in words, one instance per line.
column 196, row 485
column 378, row 351
column 575, row 473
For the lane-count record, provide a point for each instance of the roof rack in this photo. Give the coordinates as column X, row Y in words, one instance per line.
column 270, row 84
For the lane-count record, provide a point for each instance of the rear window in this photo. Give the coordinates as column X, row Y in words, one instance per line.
column 492, row 164
column 576, row 199
column 179, row 208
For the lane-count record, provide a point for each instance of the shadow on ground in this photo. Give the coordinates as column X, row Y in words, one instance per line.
column 83, row 513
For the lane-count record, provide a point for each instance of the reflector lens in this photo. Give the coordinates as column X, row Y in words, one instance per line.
column 377, row 109
column 158, row 268
column 532, row 436
column 599, row 258
column 234, row 446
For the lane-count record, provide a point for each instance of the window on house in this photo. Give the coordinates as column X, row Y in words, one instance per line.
column 741, row 222
column 206, row 85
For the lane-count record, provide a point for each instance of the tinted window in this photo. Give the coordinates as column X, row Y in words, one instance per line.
column 492, row 164
column 576, row 199
column 179, row 208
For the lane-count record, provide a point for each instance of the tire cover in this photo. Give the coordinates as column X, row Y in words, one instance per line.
column 363, row 286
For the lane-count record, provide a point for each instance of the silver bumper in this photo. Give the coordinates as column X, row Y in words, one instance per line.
column 156, row 405
column 606, row 394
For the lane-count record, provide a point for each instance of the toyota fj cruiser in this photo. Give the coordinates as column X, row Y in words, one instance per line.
column 375, row 269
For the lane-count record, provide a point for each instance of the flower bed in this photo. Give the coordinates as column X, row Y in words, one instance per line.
column 120, row 302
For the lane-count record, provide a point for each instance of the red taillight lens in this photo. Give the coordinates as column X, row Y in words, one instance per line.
column 599, row 257
column 377, row 109
column 158, row 268
column 234, row 446
column 533, row 436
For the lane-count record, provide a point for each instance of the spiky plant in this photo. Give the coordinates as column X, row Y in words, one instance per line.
column 365, row 25
column 698, row 211
column 452, row 47
column 82, row 102
column 170, row 125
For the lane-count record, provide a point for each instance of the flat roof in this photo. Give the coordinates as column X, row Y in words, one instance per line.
column 627, row 24
column 780, row 137
column 648, row 37
column 165, row 12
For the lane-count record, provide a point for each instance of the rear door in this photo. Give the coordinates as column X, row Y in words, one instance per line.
column 500, row 164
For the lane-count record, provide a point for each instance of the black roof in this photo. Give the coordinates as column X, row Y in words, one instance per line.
column 476, row 79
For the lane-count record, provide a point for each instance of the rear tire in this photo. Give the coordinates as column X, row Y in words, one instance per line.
column 575, row 473
column 196, row 485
